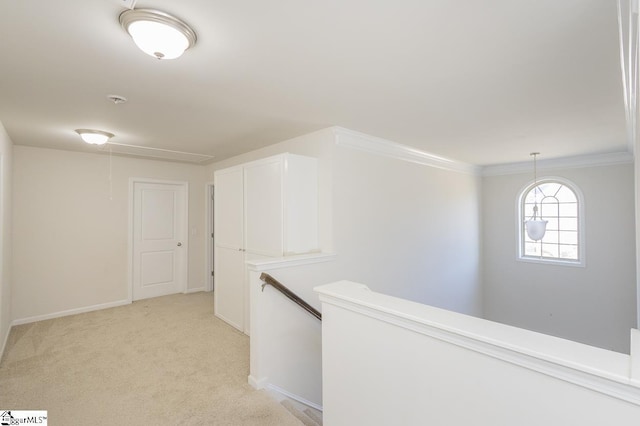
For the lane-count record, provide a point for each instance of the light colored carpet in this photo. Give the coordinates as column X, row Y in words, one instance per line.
column 164, row 361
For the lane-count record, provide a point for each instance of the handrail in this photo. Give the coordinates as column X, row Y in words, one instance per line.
column 268, row 279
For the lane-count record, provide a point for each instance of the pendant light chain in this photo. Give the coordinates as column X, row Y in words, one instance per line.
column 535, row 185
column 535, row 227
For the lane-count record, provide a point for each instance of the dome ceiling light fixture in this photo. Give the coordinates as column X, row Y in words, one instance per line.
column 94, row 137
column 156, row 33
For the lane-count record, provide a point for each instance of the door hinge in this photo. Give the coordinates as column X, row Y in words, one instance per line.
column 213, row 274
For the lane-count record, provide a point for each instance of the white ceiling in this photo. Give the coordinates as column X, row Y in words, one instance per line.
column 480, row 81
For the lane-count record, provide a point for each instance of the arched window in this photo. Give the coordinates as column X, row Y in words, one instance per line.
column 560, row 203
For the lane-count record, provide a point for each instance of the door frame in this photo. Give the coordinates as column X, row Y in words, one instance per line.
column 209, row 243
column 185, row 230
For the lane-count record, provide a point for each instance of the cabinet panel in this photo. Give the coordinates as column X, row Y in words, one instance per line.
column 301, row 205
column 263, row 207
column 229, row 209
column 229, row 295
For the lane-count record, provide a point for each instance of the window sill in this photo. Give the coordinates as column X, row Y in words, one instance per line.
column 548, row 261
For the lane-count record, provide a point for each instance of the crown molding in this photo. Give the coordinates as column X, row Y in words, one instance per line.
column 356, row 140
column 593, row 160
column 361, row 141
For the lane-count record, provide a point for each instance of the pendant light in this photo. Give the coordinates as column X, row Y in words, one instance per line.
column 536, row 228
column 156, row 33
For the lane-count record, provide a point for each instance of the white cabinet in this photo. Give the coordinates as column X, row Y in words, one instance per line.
column 229, row 278
column 229, row 207
column 265, row 208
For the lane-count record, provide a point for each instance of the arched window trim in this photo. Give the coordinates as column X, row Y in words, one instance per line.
column 520, row 224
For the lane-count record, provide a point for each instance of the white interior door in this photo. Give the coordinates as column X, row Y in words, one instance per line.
column 159, row 239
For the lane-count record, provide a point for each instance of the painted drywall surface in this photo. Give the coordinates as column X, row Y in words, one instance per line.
column 637, row 218
column 6, row 149
column 404, row 229
column 595, row 304
column 286, row 341
column 408, row 230
column 392, row 374
column 71, row 239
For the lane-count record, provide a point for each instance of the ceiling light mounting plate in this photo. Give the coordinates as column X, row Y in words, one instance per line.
column 117, row 99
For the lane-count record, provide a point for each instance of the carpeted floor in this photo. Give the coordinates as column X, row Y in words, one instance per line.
column 164, row 361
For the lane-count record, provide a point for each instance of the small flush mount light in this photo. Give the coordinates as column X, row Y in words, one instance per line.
column 94, row 137
column 156, row 33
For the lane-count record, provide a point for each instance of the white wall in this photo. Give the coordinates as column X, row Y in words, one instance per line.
column 595, row 304
column 70, row 240
column 388, row 361
column 286, row 340
column 407, row 229
column 6, row 158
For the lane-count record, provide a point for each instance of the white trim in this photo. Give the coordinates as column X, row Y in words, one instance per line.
column 356, row 140
column 289, row 261
column 636, row 191
column 185, row 230
column 634, row 365
column 195, row 290
column 70, row 312
column 130, row 242
column 257, row 384
column 459, row 330
column 4, row 344
column 593, row 160
column 209, row 248
column 4, row 298
column 582, row 255
column 293, row 396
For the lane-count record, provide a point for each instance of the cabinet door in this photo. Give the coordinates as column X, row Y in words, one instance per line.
column 229, row 298
column 229, row 208
column 264, row 207
column 301, row 205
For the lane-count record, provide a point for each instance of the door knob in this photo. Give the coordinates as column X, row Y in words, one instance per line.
column 179, row 244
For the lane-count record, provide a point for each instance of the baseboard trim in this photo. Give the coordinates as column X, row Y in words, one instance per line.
column 293, row 396
column 4, row 343
column 257, row 383
column 70, row 312
column 195, row 290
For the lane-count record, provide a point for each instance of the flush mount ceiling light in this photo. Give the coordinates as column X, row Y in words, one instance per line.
column 156, row 33
column 94, row 137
